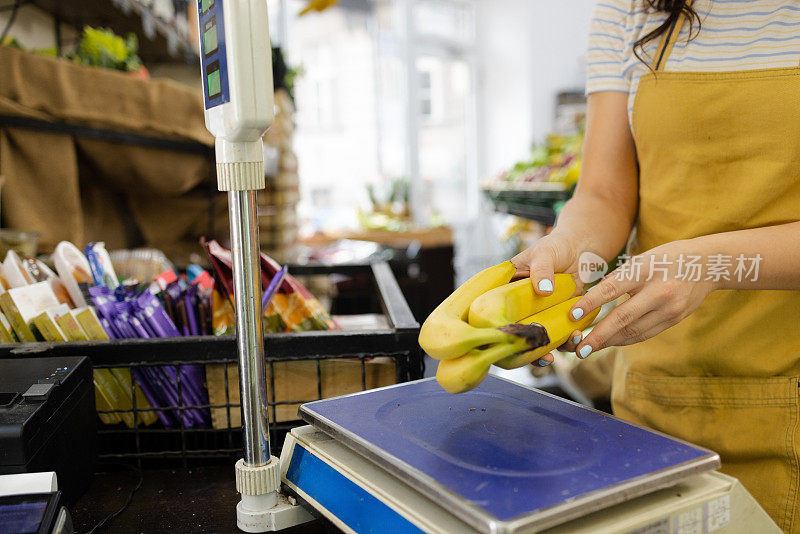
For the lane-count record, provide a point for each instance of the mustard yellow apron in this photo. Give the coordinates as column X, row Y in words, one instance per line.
column 718, row 152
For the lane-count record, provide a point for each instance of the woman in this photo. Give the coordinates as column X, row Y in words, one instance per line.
column 693, row 138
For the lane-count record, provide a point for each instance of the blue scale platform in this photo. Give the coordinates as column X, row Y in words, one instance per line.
column 504, row 452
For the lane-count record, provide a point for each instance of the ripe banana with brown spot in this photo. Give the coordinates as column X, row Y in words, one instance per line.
column 512, row 303
column 465, row 373
column 559, row 328
column 446, row 334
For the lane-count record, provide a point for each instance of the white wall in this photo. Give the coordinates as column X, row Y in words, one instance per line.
column 529, row 50
column 34, row 28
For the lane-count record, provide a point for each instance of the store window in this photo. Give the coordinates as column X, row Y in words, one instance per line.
column 425, row 94
column 386, row 94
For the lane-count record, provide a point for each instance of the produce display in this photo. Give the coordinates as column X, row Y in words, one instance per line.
column 558, row 160
column 393, row 212
column 101, row 47
column 491, row 320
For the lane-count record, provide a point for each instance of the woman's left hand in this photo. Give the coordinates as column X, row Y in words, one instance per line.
column 661, row 296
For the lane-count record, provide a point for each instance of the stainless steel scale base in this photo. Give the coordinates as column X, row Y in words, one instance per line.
column 705, row 503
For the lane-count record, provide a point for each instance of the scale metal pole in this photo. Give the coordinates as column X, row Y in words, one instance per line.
column 236, row 67
column 249, row 327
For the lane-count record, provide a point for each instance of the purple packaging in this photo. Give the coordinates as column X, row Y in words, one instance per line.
column 123, row 327
column 169, row 382
column 144, row 379
column 155, row 315
column 193, row 377
column 138, row 327
column 143, row 321
column 110, row 330
column 273, row 287
column 160, row 382
column 172, row 294
column 191, row 419
column 193, row 390
column 128, row 321
column 190, row 299
column 103, row 301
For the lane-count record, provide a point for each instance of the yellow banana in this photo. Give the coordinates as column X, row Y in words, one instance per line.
column 446, row 334
column 511, row 303
column 559, row 327
column 465, row 373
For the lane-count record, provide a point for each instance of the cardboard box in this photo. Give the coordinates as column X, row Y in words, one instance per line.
column 296, row 383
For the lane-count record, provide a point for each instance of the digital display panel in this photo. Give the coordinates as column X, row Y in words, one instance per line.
column 213, row 81
column 24, row 516
column 213, row 50
column 210, row 41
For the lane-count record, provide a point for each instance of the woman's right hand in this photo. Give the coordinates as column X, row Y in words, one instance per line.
column 553, row 253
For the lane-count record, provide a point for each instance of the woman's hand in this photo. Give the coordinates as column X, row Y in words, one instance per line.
column 554, row 253
column 663, row 292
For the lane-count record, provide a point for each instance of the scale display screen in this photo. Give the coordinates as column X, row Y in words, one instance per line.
column 23, row 513
column 213, row 81
column 213, row 53
column 210, row 42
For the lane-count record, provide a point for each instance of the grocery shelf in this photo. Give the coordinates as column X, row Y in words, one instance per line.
column 535, row 201
column 545, row 216
column 164, row 42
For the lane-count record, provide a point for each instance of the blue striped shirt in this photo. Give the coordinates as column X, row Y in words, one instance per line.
column 735, row 35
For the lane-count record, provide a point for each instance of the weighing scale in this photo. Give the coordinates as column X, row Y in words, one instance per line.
column 412, row 458
column 503, row 458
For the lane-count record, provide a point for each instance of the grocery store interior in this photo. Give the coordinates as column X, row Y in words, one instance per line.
column 175, row 320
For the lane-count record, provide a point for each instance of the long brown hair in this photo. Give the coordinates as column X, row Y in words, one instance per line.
column 673, row 8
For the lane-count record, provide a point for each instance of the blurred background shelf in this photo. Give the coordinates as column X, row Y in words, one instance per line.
column 536, row 201
column 160, row 40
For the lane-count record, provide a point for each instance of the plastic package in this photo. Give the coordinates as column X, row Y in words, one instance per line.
column 74, row 271
column 142, row 264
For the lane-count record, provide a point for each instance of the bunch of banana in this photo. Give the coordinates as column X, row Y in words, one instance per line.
column 489, row 321
column 447, row 334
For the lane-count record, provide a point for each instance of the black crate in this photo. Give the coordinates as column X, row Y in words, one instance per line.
column 156, row 445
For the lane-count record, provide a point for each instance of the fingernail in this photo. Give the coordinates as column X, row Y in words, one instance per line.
column 577, row 339
column 577, row 313
column 543, row 363
column 585, row 351
column 545, row 286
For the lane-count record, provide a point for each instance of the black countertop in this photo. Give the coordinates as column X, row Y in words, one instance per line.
column 190, row 500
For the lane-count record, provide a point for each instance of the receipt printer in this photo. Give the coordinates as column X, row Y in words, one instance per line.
column 47, row 420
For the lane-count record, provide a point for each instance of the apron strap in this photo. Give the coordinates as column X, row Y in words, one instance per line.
column 668, row 41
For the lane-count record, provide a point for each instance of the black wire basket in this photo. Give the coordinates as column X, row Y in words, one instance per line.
column 303, row 367
column 537, row 201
